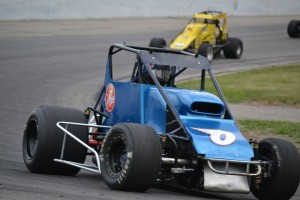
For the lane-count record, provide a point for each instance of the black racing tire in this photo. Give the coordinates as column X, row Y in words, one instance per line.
column 158, row 43
column 42, row 140
column 293, row 28
column 285, row 172
column 130, row 157
column 234, row 48
column 206, row 50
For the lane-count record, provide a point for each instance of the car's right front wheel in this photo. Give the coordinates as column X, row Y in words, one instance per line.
column 284, row 170
column 206, row 50
column 130, row 157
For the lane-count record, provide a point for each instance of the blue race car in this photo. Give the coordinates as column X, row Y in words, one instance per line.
column 145, row 128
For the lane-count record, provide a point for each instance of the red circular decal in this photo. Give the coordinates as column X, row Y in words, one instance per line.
column 110, row 97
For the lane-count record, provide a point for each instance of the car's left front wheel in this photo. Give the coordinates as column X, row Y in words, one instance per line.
column 130, row 157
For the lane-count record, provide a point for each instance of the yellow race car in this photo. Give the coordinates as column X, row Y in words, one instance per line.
column 205, row 34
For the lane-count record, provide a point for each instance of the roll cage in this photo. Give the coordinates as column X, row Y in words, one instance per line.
column 180, row 60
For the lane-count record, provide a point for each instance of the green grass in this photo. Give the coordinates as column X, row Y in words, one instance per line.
column 267, row 86
column 259, row 129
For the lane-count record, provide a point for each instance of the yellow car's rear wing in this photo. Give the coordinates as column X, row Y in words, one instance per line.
column 215, row 16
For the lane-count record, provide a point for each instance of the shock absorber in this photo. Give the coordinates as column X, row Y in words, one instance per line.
column 257, row 179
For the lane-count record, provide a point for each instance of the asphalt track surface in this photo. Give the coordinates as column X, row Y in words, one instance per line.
column 62, row 63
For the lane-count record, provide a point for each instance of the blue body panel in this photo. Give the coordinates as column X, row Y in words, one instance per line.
column 183, row 98
column 143, row 104
column 155, row 109
column 127, row 103
column 240, row 149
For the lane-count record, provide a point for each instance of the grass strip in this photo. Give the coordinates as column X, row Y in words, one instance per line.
column 267, row 86
column 259, row 129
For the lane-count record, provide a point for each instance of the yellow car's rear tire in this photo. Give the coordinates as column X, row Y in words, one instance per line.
column 234, row 48
column 158, row 43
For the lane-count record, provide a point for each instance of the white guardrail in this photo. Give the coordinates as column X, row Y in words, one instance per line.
column 96, row 9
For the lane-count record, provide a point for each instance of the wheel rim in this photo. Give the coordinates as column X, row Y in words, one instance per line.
column 117, row 156
column 210, row 54
column 239, row 50
column 31, row 138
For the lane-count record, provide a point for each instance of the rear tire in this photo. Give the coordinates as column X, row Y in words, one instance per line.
column 206, row 50
column 42, row 140
column 130, row 157
column 293, row 28
column 285, row 160
column 158, row 43
column 234, row 48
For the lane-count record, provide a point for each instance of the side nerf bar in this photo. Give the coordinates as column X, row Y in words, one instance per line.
column 75, row 164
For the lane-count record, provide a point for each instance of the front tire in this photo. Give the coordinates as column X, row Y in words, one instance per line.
column 130, row 157
column 206, row 50
column 234, row 48
column 42, row 140
column 285, row 174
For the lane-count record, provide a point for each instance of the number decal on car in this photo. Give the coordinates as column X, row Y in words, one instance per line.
column 218, row 137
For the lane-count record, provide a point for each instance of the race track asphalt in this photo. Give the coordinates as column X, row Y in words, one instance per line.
column 62, row 63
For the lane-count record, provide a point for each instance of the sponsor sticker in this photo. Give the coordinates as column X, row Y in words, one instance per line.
column 110, row 97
